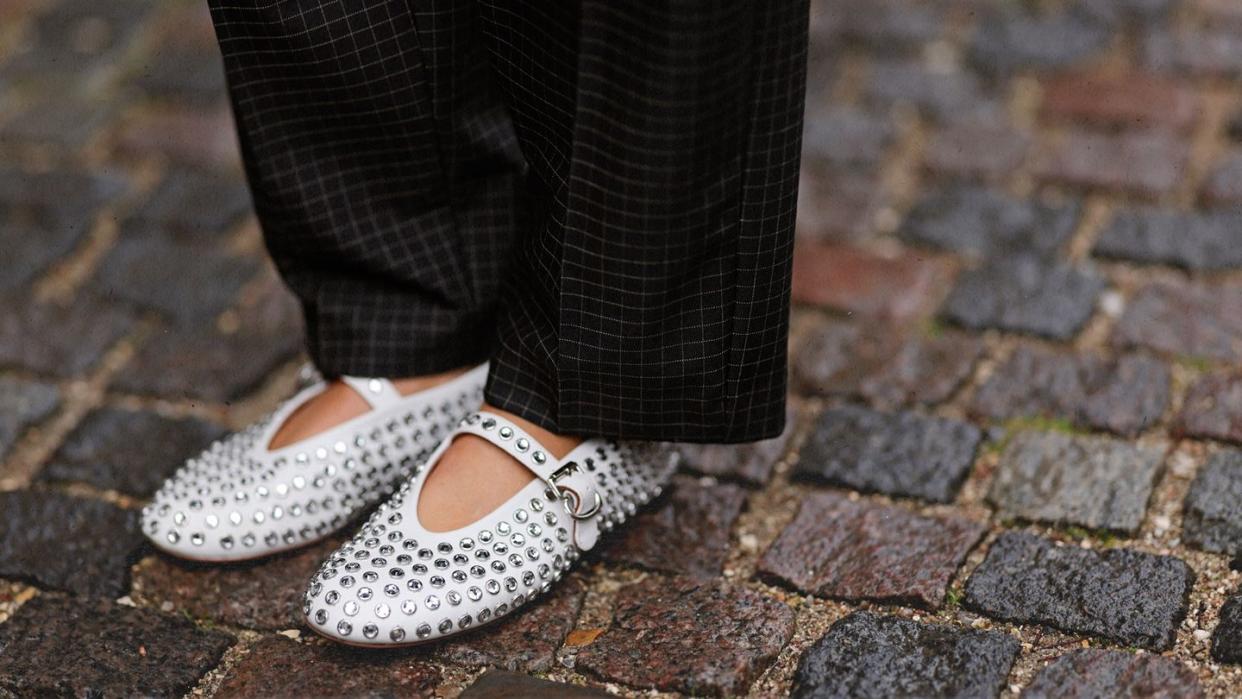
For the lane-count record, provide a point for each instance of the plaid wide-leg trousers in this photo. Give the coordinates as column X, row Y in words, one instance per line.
column 596, row 195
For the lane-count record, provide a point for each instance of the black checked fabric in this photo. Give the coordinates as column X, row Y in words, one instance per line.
column 598, row 196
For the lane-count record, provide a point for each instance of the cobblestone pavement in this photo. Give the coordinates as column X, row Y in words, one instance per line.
column 1012, row 462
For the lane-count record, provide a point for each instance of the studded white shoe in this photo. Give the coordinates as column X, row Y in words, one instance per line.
column 395, row 583
column 240, row 500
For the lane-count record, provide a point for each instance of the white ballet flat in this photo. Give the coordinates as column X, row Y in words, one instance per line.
column 240, row 500
column 395, row 583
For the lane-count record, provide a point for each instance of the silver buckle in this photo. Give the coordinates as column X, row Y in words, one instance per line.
column 569, row 498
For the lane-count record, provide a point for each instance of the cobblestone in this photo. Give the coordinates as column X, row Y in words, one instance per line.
column 277, row 667
column 854, row 551
column 1148, row 163
column 924, row 371
column 1213, row 408
column 196, row 204
column 129, row 451
column 1189, row 320
column 1025, row 294
column 1213, row 508
column 1008, row 40
column 1122, row 595
column 1194, row 241
column 58, row 339
column 22, row 404
column 847, row 137
column 751, row 464
column 866, row 656
column 941, row 95
column 525, row 642
column 31, row 251
column 1131, row 101
column 688, row 532
column 508, row 685
column 1227, row 638
column 901, row 454
column 987, row 223
column 1087, row 481
column 1224, row 184
column 660, row 629
column 855, row 281
column 1099, row 673
column 1206, row 53
column 1125, row 395
column 61, row 647
column 837, row 206
column 974, row 149
column 94, row 542
column 264, row 594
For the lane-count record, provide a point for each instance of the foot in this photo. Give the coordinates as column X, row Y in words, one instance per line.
column 474, row 476
column 338, row 403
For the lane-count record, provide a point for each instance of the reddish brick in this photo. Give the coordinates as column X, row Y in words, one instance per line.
column 1189, row 320
column 852, row 280
column 1150, row 163
column 1135, row 99
column 837, row 206
column 977, row 150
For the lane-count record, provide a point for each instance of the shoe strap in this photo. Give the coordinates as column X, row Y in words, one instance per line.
column 572, row 483
column 378, row 393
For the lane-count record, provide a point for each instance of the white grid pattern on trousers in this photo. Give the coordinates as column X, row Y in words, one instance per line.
column 597, row 195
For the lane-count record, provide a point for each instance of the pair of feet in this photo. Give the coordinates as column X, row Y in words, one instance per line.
column 472, row 478
column 488, row 511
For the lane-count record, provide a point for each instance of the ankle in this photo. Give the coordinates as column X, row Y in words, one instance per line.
column 556, row 444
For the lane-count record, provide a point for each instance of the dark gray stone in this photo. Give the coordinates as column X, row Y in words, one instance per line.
column 751, row 463
column 68, row 123
column 1204, row 52
column 835, row 357
column 1190, row 320
column 279, row 668
column 1022, row 293
column 1196, row 241
column 686, row 532
column 849, row 550
column 1125, row 596
column 188, row 281
column 866, row 655
column 845, row 136
column 987, row 223
column 185, row 72
column 23, row 403
column 197, row 204
column 55, row 646
column 205, row 363
column 1212, row 516
column 1124, row 395
column 1227, row 638
column 1088, row 481
column 661, row 627
column 69, row 543
column 129, row 451
column 924, row 371
column 882, row 24
column 71, row 43
column 1008, row 39
column 901, row 454
column 59, row 339
column 941, row 96
column 497, row 684
column 1089, row 673
column 30, row 251
column 56, row 200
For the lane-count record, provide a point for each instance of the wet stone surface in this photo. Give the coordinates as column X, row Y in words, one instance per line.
column 751, row 464
column 1126, row 596
column 264, row 594
column 1087, row 481
column 497, row 684
column 58, row 339
column 1022, row 293
column 687, row 530
column 23, row 402
column 1212, row 515
column 129, row 451
column 1124, row 395
column 901, row 454
column 524, row 642
column 660, row 628
column 1188, row 320
column 1227, row 638
column 268, row 333
column 94, row 542
column 848, row 550
column 1213, row 408
column 987, row 223
column 1113, row 673
column 55, row 646
column 190, row 282
column 1196, row 241
column 869, row 656
column 277, row 667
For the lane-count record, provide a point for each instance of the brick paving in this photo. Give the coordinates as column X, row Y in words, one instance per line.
column 1011, row 458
